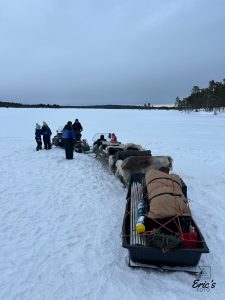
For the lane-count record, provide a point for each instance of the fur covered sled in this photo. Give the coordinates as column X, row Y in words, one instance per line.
column 109, row 152
column 127, row 159
column 105, row 150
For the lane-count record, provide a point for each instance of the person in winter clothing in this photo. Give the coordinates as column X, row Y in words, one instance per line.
column 77, row 128
column 100, row 140
column 46, row 132
column 113, row 138
column 38, row 133
column 69, row 137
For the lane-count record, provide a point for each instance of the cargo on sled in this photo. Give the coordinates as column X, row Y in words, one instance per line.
column 158, row 228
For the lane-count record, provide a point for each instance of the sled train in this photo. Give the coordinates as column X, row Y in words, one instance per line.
column 158, row 228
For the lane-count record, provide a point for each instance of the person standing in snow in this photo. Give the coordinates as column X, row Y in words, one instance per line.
column 38, row 133
column 46, row 132
column 77, row 128
column 69, row 137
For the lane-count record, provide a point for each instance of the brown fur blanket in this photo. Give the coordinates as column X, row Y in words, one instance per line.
column 141, row 164
column 122, row 155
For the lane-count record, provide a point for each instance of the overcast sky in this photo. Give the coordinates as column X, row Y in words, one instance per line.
column 109, row 51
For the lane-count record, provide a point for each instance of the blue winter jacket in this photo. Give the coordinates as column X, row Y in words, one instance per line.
column 69, row 134
column 46, row 131
column 38, row 133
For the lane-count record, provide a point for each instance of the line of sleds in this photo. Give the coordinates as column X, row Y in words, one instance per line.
column 80, row 146
column 158, row 228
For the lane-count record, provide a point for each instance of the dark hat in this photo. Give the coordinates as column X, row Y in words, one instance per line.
column 69, row 123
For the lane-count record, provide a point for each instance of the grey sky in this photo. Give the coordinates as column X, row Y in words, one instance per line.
column 112, row 51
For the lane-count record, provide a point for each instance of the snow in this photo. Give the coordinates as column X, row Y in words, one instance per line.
column 60, row 220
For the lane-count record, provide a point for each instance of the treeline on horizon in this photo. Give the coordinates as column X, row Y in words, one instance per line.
column 107, row 106
column 210, row 98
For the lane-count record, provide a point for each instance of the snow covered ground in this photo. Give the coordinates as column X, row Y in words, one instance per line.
column 60, row 220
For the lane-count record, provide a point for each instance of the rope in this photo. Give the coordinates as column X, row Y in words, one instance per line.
column 166, row 178
column 165, row 225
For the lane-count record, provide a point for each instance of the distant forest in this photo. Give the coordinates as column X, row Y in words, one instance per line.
column 210, row 98
column 19, row 105
column 109, row 106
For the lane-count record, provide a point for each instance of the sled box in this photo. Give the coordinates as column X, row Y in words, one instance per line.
column 136, row 243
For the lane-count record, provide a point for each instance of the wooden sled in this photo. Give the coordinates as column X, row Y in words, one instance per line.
column 100, row 149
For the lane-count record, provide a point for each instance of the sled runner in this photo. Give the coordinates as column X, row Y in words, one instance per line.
column 165, row 243
column 194, row 270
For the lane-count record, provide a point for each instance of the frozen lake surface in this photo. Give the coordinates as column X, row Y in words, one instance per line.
column 60, row 220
